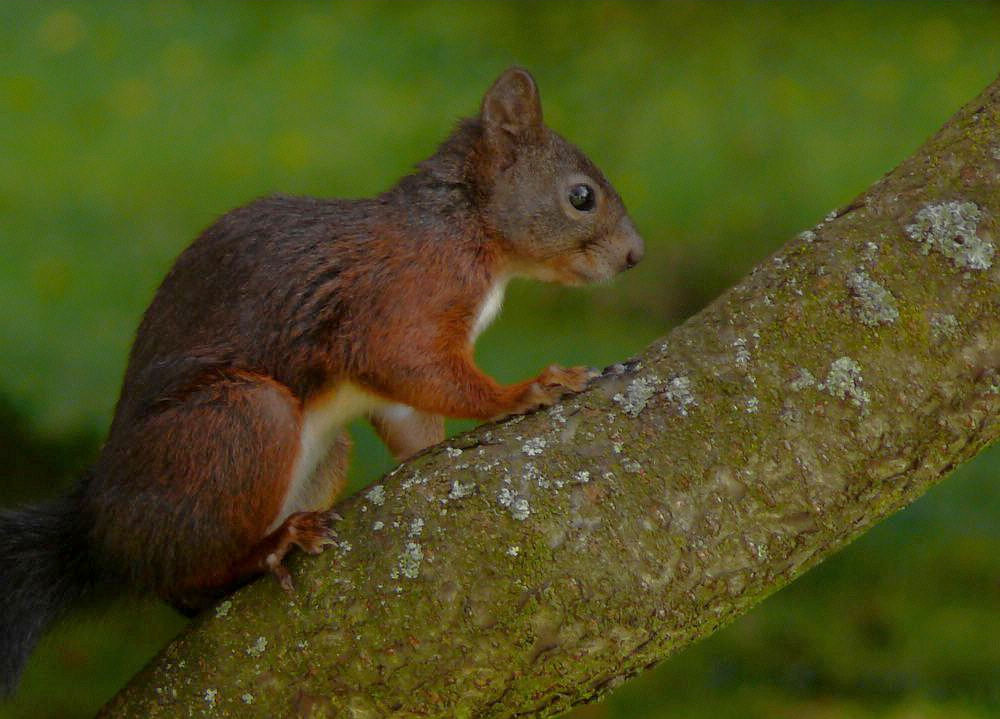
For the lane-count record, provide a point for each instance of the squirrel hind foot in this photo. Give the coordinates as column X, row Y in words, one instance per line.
column 312, row 532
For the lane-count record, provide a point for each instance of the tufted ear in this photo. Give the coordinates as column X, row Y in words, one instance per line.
column 512, row 111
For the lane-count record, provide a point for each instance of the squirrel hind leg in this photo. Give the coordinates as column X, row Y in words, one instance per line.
column 312, row 532
column 181, row 496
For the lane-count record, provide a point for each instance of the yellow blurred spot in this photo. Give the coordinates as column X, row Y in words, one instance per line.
column 133, row 97
column 882, row 84
column 937, row 39
column 291, row 150
column 51, row 277
column 182, row 61
column 683, row 113
column 61, row 31
column 238, row 160
column 20, row 92
column 166, row 13
column 787, row 95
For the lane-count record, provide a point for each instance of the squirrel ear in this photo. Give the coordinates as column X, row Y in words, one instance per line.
column 511, row 107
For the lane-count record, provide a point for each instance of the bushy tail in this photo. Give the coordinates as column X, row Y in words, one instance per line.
column 44, row 567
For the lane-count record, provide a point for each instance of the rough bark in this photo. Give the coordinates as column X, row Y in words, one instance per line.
column 532, row 565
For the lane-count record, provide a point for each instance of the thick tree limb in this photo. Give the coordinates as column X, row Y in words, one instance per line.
column 530, row 566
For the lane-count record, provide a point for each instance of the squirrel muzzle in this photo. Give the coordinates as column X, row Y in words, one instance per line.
column 628, row 242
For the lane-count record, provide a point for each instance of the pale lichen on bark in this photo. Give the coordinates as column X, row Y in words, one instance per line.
column 874, row 304
column 563, row 551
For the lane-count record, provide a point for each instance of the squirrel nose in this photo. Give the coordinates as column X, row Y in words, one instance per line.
column 633, row 242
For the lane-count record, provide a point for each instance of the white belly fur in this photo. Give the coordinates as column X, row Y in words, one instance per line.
column 322, row 422
column 489, row 308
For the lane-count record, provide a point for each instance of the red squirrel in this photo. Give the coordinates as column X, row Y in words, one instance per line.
column 283, row 321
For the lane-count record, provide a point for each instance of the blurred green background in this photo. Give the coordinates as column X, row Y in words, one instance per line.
column 127, row 127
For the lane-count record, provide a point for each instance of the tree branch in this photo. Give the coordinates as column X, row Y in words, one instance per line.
column 532, row 565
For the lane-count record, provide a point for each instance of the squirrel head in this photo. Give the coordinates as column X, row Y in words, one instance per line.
column 554, row 212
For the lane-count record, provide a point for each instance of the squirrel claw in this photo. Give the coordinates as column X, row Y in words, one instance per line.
column 566, row 379
column 554, row 382
column 281, row 573
column 312, row 532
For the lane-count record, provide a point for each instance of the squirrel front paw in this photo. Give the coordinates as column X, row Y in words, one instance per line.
column 561, row 379
column 551, row 384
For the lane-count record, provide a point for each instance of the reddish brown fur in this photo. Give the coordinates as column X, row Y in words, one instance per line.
column 284, row 300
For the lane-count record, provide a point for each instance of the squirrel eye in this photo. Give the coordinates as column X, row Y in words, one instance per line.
column 582, row 197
